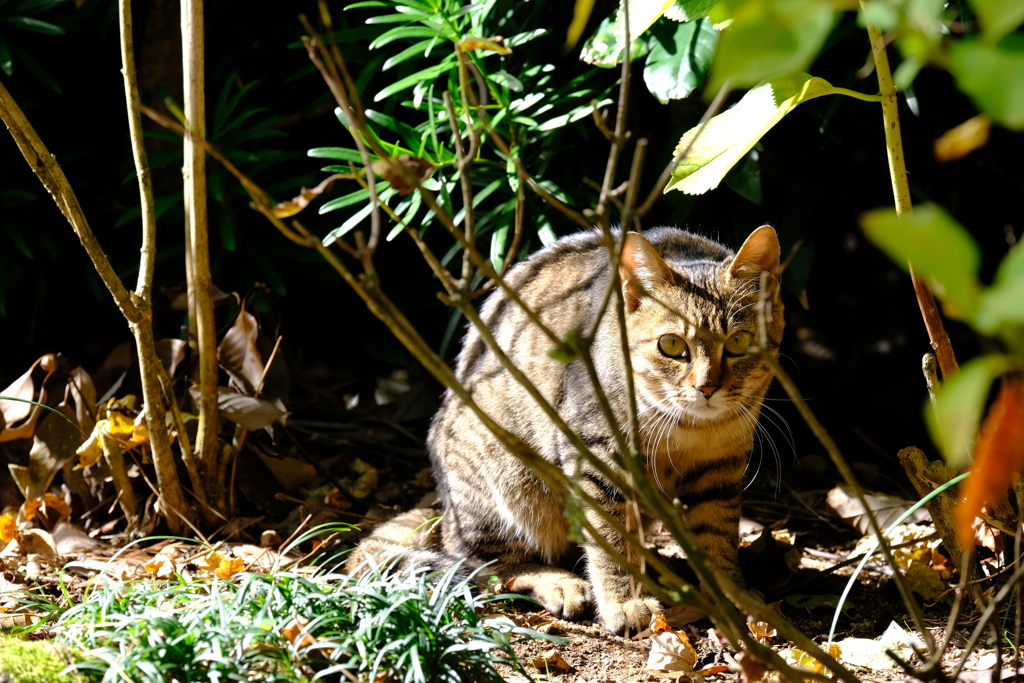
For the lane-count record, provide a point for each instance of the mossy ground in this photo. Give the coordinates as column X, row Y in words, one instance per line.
column 23, row 661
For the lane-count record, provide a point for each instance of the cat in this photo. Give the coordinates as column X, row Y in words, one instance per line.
column 698, row 402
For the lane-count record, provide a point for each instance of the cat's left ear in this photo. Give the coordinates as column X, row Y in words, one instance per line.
column 759, row 253
column 642, row 267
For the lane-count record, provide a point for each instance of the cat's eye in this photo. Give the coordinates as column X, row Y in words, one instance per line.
column 673, row 346
column 737, row 343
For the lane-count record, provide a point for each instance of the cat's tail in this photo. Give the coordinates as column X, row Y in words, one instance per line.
column 412, row 539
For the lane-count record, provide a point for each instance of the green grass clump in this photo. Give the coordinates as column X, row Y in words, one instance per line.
column 411, row 626
column 30, row 661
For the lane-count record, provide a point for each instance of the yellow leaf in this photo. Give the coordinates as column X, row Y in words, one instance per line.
column 925, row 581
column 958, row 142
column 670, row 650
column 495, row 44
column 56, row 504
column 90, row 452
column 119, row 426
column 140, row 432
column 209, row 562
column 229, row 568
column 31, row 507
column 7, row 528
column 801, row 658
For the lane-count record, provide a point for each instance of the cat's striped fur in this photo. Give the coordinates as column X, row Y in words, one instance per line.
column 697, row 409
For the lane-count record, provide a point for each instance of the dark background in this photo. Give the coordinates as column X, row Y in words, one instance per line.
column 855, row 352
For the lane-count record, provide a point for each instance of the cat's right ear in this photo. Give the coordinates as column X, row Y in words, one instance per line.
column 641, row 268
column 760, row 252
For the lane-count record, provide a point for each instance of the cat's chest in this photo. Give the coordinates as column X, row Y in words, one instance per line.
column 686, row 458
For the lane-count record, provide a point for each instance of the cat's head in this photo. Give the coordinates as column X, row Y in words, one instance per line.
column 682, row 373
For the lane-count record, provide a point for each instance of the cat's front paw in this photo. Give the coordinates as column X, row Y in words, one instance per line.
column 634, row 614
column 566, row 597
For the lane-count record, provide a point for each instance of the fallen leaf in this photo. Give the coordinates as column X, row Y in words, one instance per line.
column 54, row 503
column 251, row 413
column 670, row 650
column 367, row 481
column 239, row 354
column 751, row 670
column 38, row 542
column 295, row 629
column 887, row 509
column 801, row 658
column 305, row 196
column 550, row 660
column 90, row 452
column 762, row 631
column 924, row 581
column 19, row 410
column 870, row 654
column 998, row 455
column 69, row 539
column 960, row 141
column 31, row 507
column 7, row 528
column 229, row 567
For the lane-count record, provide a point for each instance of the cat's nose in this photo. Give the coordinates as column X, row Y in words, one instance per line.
column 707, row 390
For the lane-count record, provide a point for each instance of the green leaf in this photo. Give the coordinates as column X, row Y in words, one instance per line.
column 688, row 10
column 642, row 14
column 958, row 407
column 403, row 32
column 998, row 17
column 1001, row 303
column 938, row 248
column 341, row 153
column 768, row 38
column 348, row 200
column 357, row 218
column 35, row 25
column 604, row 48
column 409, row 135
column 428, row 74
column 680, row 58
column 498, row 239
column 417, row 50
column 993, row 77
column 730, row 135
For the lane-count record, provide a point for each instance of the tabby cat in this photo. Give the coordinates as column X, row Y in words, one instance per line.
column 698, row 402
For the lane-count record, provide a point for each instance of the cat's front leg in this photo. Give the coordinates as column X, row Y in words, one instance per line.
column 621, row 603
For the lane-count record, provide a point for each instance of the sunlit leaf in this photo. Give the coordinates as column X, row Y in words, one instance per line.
column 993, row 76
column 938, row 248
column 496, row 44
column 958, row 405
column 679, row 59
column 7, row 528
column 961, row 140
column 689, row 10
column 604, row 47
column 1001, row 303
column 642, row 14
column 730, row 135
column 427, row 74
column 768, row 38
column 998, row 456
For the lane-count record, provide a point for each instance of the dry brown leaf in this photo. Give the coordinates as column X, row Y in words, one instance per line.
column 751, row 670
column 762, row 631
column 495, row 44
column 31, row 508
column 20, row 411
column 998, row 455
column 960, row 141
column 296, row 628
column 550, row 660
column 421, row 169
column 57, row 505
column 305, row 196
column 164, row 563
